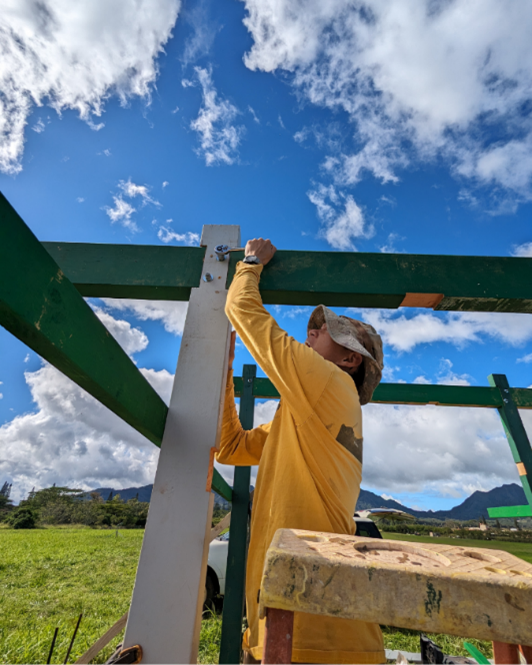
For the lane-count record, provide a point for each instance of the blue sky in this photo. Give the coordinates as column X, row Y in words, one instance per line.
column 346, row 126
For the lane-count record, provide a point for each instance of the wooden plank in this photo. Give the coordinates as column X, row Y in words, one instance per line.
column 165, row 614
column 230, row 645
column 515, row 432
column 342, row 279
column 413, row 393
column 150, row 272
column 103, row 641
column 41, row 307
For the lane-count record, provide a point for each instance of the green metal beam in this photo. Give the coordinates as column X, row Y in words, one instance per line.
column 230, row 645
column 510, row 511
column 410, row 393
column 343, row 279
column 515, row 433
column 220, row 485
column 41, row 307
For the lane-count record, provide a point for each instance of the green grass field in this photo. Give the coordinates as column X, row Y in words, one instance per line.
column 48, row 577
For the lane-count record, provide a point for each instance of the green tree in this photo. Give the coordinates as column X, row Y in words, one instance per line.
column 22, row 517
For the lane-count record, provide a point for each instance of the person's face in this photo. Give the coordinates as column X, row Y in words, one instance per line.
column 320, row 341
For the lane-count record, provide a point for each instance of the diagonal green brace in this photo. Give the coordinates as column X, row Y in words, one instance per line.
column 41, row 307
column 230, row 646
column 515, row 433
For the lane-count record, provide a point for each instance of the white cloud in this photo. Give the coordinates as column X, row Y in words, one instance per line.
column 454, row 451
column 165, row 184
column 73, row 440
column 132, row 340
column 38, row 127
column 404, row 333
column 26, row 358
column 389, row 497
column 524, row 250
column 253, row 115
column 171, row 314
column 121, row 212
column 75, row 56
column 166, row 235
column 342, row 219
column 80, row 199
column 525, row 359
column 417, row 80
column 219, row 138
column 203, row 33
column 131, row 190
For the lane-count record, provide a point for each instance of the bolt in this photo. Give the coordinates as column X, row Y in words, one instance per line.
column 221, row 251
column 505, row 401
column 207, row 277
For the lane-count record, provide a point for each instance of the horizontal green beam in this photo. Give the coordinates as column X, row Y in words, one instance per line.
column 220, row 486
column 343, row 279
column 129, row 271
column 413, row 393
column 510, row 511
column 41, row 307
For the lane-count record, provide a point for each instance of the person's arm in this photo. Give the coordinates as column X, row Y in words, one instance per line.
column 292, row 367
column 238, row 446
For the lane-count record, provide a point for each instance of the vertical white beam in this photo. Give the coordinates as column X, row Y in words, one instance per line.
column 165, row 614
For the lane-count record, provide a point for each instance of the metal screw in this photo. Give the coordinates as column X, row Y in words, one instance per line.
column 506, row 390
column 207, row 277
column 505, row 401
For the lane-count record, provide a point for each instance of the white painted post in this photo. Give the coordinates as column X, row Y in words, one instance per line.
column 165, row 614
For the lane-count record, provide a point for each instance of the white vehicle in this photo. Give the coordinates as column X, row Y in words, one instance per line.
column 217, row 563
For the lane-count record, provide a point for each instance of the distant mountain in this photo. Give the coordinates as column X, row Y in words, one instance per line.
column 144, row 494
column 472, row 508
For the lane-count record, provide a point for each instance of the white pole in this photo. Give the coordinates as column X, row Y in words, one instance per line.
column 165, row 614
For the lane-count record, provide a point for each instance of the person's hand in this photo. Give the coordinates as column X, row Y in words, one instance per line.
column 232, row 344
column 262, row 249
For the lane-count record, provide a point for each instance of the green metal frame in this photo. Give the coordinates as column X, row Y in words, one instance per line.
column 42, row 286
column 235, row 578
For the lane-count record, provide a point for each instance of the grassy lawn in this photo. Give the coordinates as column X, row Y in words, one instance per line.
column 48, row 577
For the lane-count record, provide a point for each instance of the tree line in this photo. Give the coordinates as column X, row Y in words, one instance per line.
column 64, row 505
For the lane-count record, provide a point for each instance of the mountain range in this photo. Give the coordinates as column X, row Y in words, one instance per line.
column 474, row 507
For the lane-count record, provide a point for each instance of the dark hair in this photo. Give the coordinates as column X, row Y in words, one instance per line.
column 359, row 376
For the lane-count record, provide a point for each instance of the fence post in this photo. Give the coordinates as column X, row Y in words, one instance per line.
column 235, row 579
column 515, row 433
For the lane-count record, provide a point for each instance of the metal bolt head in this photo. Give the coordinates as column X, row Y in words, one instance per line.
column 221, row 251
column 505, row 400
column 207, row 277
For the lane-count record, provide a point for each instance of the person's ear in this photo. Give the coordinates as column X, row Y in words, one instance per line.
column 351, row 362
column 313, row 333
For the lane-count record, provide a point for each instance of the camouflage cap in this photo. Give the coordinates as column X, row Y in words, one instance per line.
column 355, row 336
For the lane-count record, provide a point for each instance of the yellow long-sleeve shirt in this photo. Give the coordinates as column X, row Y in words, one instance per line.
column 310, row 464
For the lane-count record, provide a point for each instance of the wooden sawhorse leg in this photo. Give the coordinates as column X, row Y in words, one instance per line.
column 278, row 636
column 508, row 654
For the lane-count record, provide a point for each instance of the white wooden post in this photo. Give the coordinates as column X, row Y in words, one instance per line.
column 165, row 614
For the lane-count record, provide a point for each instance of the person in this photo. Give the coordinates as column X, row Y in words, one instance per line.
column 309, row 455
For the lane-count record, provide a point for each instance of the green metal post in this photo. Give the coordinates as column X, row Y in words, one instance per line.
column 230, row 646
column 515, row 433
